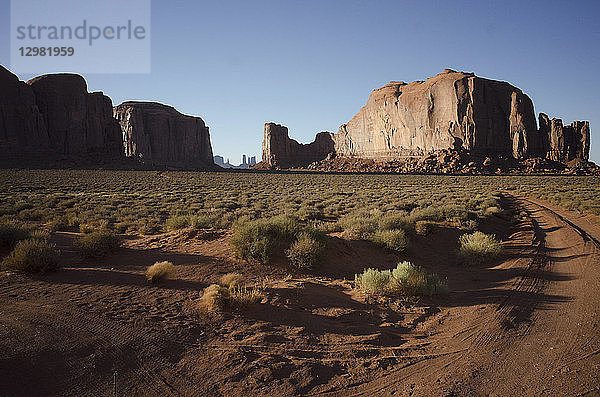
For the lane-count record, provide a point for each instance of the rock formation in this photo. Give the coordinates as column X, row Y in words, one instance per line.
column 77, row 122
column 247, row 162
column 160, row 136
column 22, row 128
column 565, row 143
column 489, row 117
column 53, row 118
column 453, row 110
column 52, row 121
column 279, row 151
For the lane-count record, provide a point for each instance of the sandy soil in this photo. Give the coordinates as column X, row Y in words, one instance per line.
column 528, row 324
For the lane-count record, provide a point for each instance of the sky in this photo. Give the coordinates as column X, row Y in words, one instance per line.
column 311, row 65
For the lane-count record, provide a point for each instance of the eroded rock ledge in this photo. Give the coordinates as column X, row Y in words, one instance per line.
column 453, row 110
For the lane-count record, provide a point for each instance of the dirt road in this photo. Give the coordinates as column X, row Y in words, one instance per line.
column 542, row 338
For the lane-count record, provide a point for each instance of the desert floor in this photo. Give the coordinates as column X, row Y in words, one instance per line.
column 528, row 324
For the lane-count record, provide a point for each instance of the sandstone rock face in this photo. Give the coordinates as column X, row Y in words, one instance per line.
column 22, row 127
column 565, row 143
column 453, row 110
column 53, row 118
column 159, row 135
column 490, row 117
column 279, row 151
column 77, row 122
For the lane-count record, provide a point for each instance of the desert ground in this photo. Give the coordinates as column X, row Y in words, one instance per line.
column 518, row 314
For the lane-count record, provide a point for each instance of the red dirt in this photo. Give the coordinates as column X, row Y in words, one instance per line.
column 525, row 325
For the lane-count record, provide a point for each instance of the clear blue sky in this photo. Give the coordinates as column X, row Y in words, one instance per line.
column 311, row 65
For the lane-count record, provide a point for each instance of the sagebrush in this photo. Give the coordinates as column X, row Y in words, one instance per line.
column 404, row 279
column 478, row 247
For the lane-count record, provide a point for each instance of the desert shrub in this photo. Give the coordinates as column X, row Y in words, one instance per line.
column 11, row 233
column 202, row 221
column 428, row 213
column 39, row 234
column 98, row 243
column 259, row 239
column 414, row 280
column 231, row 280
column 217, row 298
column 306, row 251
column 85, row 228
column 22, row 205
column 488, row 203
column 60, row 223
column 493, row 210
column 394, row 240
column 424, row 227
column 358, row 227
column 160, row 271
column 223, row 220
column 478, row 247
column 327, row 227
column 373, row 281
column 32, row 256
column 395, row 221
column 145, row 226
column 214, row 299
column 309, row 213
column 439, row 213
column 470, row 225
column 405, row 279
column 73, row 220
column 286, row 227
column 122, row 227
column 32, row 214
column 177, row 222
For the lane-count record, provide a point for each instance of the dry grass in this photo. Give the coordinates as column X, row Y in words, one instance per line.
column 231, row 294
column 242, row 297
column 160, row 271
column 32, row 256
column 231, row 280
column 217, row 298
column 214, row 299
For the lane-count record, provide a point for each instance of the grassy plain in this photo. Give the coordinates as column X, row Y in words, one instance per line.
column 144, row 202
